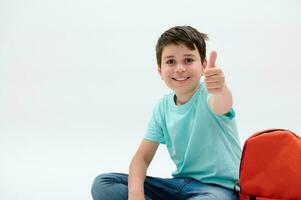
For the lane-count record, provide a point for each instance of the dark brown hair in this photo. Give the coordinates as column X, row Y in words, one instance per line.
column 187, row 35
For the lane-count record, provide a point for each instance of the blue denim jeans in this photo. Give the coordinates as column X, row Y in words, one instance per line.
column 113, row 186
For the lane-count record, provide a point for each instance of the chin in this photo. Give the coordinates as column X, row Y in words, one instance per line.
column 182, row 89
column 186, row 89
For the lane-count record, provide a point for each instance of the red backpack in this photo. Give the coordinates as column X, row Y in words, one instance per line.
column 270, row 166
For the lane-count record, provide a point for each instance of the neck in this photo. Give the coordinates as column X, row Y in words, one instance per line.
column 183, row 98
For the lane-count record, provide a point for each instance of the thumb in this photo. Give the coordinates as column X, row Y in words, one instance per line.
column 212, row 59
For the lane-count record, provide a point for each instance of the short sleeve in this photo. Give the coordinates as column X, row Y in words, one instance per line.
column 230, row 114
column 154, row 130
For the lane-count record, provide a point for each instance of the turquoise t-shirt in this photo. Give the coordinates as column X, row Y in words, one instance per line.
column 203, row 146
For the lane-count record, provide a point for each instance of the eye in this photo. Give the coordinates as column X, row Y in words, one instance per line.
column 188, row 60
column 170, row 62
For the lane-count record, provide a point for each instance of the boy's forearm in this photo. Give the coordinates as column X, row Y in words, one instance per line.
column 221, row 103
column 137, row 173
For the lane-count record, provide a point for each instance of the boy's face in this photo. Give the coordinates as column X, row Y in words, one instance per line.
column 181, row 68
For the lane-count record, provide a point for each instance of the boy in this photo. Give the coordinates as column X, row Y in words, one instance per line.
column 196, row 122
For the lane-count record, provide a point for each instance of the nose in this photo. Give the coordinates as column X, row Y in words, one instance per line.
column 180, row 68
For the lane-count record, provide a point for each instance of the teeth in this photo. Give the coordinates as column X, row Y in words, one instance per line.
column 180, row 79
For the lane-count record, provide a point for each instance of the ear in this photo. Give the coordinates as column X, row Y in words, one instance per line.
column 204, row 64
column 159, row 71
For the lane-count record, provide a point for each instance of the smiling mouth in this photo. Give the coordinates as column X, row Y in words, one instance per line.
column 181, row 79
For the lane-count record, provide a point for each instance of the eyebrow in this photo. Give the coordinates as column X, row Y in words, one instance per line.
column 189, row 55
column 185, row 55
column 168, row 57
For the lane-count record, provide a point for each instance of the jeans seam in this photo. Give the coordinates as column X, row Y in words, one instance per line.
column 184, row 184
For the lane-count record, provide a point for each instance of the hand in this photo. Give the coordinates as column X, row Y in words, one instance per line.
column 214, row 77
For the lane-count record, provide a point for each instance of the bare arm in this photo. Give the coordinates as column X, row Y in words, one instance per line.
column 221, row 103
column 138, row 168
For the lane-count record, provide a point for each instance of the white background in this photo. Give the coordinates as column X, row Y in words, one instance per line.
column 78, row 82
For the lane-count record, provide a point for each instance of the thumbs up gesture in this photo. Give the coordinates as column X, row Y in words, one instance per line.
column 214, row 77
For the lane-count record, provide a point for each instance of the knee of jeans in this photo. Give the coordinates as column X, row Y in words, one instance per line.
column 100, row 183
column 108, row 186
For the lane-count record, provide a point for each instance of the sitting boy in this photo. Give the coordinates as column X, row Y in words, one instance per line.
column 196, row 122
